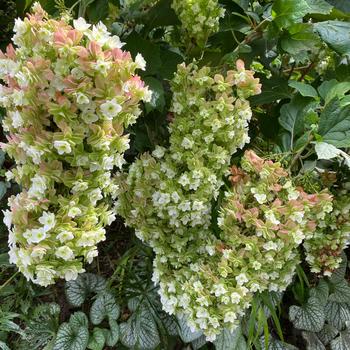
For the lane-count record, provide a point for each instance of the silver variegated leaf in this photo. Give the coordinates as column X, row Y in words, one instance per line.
column 78, row 290
column 342, row 342
column 309, row 317
column 97, row 339
column 327, row 333
column 104, row 307
column 198, row 343
column 185, row 331
column 71, row 339
column 320, row 292
column 275, row 344
column 78, row 319
column 228, row 340
column 312, row 341
column 341, row 292
column 112, row 334
column 140, row 331
column 337, row 314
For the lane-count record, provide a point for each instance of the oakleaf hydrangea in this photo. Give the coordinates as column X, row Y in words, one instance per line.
column 167, row 196
column 69, row 91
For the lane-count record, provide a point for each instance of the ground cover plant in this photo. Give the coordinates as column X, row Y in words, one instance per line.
column 175, row 174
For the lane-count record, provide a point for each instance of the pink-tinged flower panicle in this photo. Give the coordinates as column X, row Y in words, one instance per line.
column 65, row 124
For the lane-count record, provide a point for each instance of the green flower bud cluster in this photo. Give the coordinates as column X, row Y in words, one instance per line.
column 65, row 122
column 199, row 18
column 168, row 197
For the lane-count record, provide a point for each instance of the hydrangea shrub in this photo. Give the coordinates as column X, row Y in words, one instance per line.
column 69, row 92
column 199, row 18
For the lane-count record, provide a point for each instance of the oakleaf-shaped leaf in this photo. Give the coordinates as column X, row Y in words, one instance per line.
column 334, row 124
column 228, row 340
column 69, row 339
column 97, row 339
column 309, row 317
column 104, row 307
column 185, row 331
column 87, row 283
column 337, row 314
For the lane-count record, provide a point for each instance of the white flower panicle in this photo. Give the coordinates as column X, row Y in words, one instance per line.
column 65, row 125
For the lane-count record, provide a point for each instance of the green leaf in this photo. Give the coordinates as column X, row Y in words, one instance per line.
column 288, row 12
column 2, row 157
column 3, row 346
column 343, row 5
column 320, row 292
column 309, row 317
column 170, row 60
column 342, row 342
column 97, row 10
column 326, row 86
column 228, row 340
column 327, row 333
column 160, row 15
column 140, row 331
column 319, row 6
column 150, row 52
column 312, row 341
column 304, row 89
column 185, row 332
column 104, row 307
column 326, row 151
column 198, row 343
column 112, row 335
column 334, row 124
column 157, row 100
column 69, row 339
column 339, row 274
column 87, row 283
column 42, row 327
column 341, row 292
column 78, row 319
column 170, row 324
column 97, row 339
column 273, row 89
column 338, row 90
column 3, row 189
column 275, row 344
column 335, row 34
column 299, row 40
column 337, row 314
column 292, row 116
